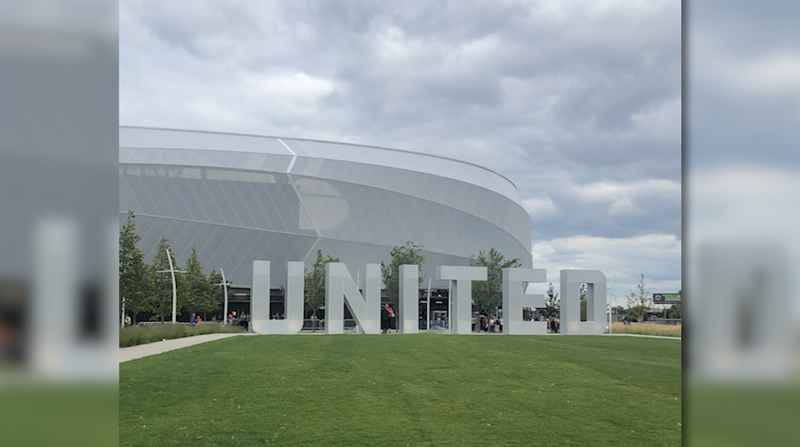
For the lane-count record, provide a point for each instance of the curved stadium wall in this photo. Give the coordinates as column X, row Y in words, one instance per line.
column 236, row 198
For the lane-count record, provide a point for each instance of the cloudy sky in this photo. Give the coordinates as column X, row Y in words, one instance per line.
column 579, row 102
column 744, row 169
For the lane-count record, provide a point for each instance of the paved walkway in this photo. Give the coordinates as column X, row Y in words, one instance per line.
column 646, row 336
column 146, row 350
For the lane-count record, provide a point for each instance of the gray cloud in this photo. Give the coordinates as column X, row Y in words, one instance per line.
column 744, row 93
column 566, row 98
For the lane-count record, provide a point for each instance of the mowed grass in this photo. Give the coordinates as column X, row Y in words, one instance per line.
column 664, row 330
column 420, row 390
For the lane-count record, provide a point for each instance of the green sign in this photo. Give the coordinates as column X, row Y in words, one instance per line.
column 666, row 298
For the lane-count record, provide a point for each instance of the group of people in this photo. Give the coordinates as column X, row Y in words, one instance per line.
column 231, row 316
column 553, row 325
column 196, row 319
column 239, row 319
column 489, row 323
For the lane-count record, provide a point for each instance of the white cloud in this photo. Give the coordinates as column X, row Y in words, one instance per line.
column 775, row 73
column 657, row 256
column 756, row 203
column 624, row 207
column 606, row 191
column 540, row 208
column 625, row 199
column 293, row 87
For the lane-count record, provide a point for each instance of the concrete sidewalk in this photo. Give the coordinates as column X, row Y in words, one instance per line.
column 146, row 350
column 646, row 336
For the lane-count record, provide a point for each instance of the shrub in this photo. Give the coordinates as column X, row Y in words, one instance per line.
column 141, row 334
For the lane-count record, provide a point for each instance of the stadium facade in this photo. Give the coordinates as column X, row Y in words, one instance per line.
column 237, row 198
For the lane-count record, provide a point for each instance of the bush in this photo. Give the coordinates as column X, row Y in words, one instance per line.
column 141, row 334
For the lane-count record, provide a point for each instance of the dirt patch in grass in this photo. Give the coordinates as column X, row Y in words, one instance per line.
column 664, row 330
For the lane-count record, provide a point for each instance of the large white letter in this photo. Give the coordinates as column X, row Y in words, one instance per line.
column 295, row 290
column 340, row 288
column 259, row 297
column 461, row 301
column 259, row 300
column 570, row 323
column 409, row 299
column 514, row 300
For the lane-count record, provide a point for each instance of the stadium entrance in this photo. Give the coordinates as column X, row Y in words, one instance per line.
column 434, row 314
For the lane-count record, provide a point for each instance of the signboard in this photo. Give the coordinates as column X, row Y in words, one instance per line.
column 666, row 298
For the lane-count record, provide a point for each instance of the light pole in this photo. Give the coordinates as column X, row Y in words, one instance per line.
column 224, row 285
column 428, row 307
column 449, row 305
column 172, row 272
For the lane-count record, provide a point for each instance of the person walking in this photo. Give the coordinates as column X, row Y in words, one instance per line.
column 384, row 319
column 390, row 315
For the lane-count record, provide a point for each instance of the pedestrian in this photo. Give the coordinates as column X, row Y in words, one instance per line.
column 390, row 315
column 384, row 319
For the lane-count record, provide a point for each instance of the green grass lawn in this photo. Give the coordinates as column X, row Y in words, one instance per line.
column 38, row 414
column 406, row 390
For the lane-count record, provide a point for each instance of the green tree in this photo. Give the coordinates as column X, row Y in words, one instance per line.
column 638, row 302
column 674, row 312
column 489, row 294
column 217, row 294
column 161, row 300
column 315, row 283
column 552, row 303
column 151, row 305
column 618, row 312
column 132, row 269
column 409, row 253
column 197, row 296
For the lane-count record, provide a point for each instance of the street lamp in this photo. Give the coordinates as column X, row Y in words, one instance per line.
column 224, row 285
column 428, row 307
column 172, row 272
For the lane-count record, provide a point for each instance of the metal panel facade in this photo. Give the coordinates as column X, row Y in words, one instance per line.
column 236, row 198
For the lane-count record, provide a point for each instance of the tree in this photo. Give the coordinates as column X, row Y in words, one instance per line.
column 217, row 293
column 638, row 302
column 618, row 312
column 161, row 300
column 489, row 294
column 196, row 290
column 674, row 312
column 552, row 303
column 315, row 283
column 408, row 253
column 132, row 269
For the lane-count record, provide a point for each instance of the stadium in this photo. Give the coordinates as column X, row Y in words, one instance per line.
column 236, row 198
